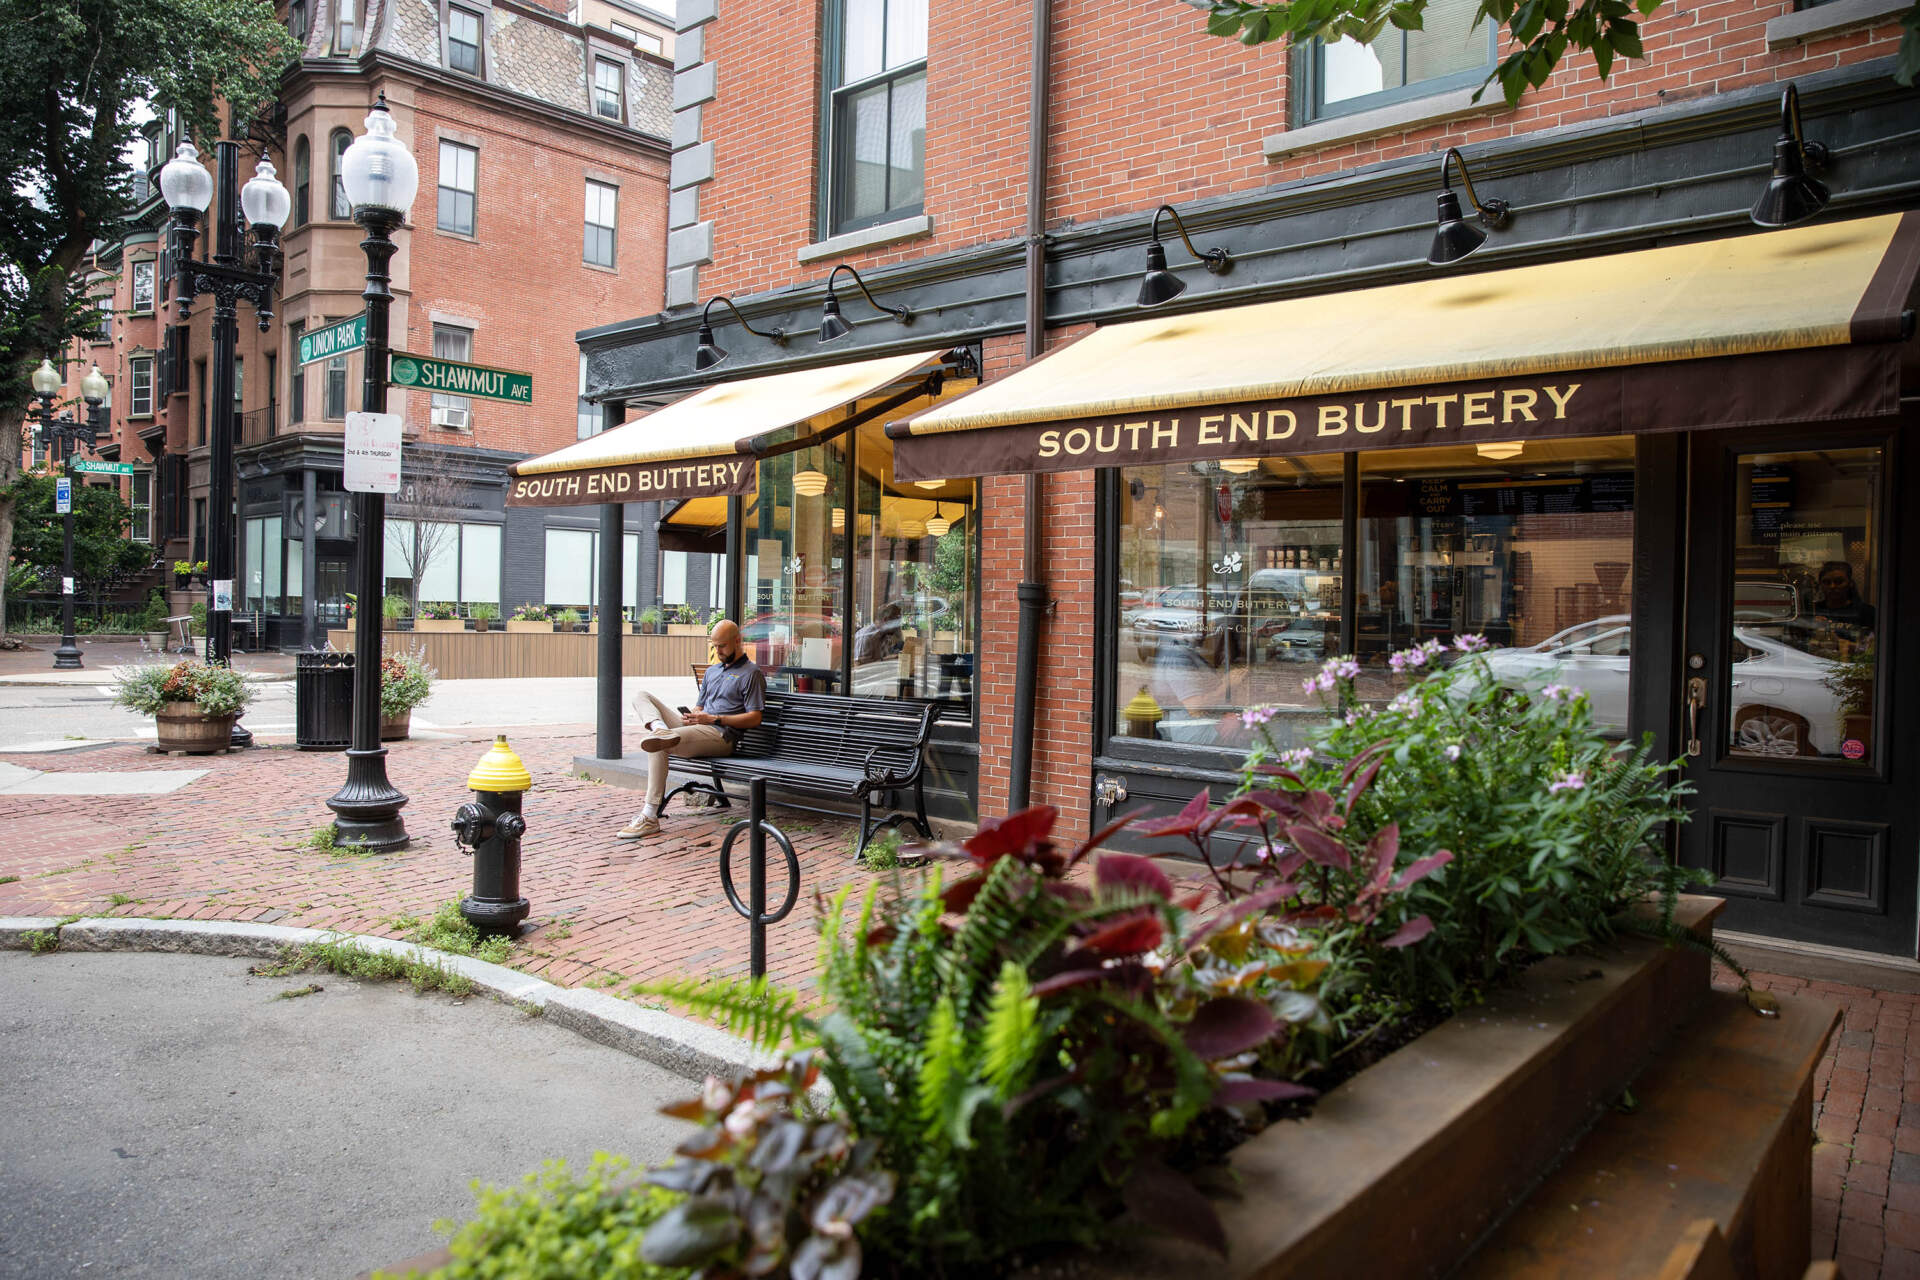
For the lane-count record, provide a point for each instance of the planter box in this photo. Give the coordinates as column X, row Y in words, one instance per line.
column 180, row 726
column 527, row 626
column 396, row 729
column 686, row 629
column 440, row 624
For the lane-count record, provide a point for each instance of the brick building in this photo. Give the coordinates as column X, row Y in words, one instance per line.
column 1182, row 581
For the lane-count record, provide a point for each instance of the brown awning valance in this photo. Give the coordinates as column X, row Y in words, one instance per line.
column 706, row 444
column 1798, row 325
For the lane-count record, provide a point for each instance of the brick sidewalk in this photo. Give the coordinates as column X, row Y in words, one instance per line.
column 234, row 846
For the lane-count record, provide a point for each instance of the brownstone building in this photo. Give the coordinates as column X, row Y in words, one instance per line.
column 1197, row 498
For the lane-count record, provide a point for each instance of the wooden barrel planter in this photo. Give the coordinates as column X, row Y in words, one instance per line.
column 396, row 729
column 182, row 726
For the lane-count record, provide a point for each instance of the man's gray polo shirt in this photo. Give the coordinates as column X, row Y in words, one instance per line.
column 730, row 688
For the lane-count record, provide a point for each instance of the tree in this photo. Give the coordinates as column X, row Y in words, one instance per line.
column 430, row 499
column 1540, row 32
column 101, row 551
column 74, row 77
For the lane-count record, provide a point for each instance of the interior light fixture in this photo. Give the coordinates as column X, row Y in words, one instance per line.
column 1500, row 449
column 809, row 483
column 911, row 529
column 1240, row 466
column 1791, row 195
column 929, row 484
column 1159, row 284
column 1454, row 238
column 831, row 324
column 710, row 353
column 937, row 523
column 839, row 519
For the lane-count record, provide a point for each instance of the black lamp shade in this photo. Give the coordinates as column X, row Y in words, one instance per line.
column 1454, row 238
column 831, row 325
column 1791, row 196
column 708, row 353
column 1159, row 284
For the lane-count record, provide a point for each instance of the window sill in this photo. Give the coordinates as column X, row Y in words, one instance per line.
column 867, row 238
column 595, row 266
column 139, row 417
column 456, row 235
column 1398, row 118
column 1791, row 29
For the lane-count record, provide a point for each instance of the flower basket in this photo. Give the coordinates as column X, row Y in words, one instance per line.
column 193, row 703
column 182, row 726
column 406, row 681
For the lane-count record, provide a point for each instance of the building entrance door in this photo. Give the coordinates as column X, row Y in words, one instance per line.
column 1794, row 711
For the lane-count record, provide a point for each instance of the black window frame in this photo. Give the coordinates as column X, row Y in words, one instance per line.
column 837, row 142
column 442, row 191
column 296, row 374
column 302, row 181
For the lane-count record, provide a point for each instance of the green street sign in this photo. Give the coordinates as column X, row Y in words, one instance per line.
column 424, row 373
column 335, row 340
column 89, row 467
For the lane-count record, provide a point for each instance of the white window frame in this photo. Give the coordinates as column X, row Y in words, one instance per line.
column 136, row 365
column 151, row 273
column 608, row 197
column 458, row 155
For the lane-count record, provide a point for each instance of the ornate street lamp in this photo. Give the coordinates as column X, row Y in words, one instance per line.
column 189, row 189
column 380, row 177
column 63, row 436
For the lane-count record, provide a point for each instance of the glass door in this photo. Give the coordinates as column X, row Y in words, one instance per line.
column 1789, row 712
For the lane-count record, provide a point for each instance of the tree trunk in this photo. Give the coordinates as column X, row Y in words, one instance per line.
column 9, row 476
column 6, row 547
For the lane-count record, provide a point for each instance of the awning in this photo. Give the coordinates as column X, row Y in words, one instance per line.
column 1800, row 325
column 706, row 444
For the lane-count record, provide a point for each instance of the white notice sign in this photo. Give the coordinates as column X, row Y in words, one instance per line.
column 223, row 595
column 66, row 586
column 373, row 453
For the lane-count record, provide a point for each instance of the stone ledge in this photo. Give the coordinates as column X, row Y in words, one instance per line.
column 866, row 238
column 1821, row 21
column 1397, row 118
column 685, row 1048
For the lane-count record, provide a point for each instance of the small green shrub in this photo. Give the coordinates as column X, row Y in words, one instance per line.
column 452, row 932
column 483, row 612
column 406, row 681
column 567, row 617
column 393, row 608
column 322, row 839
column 882, row 852
column 198, row 611
column 531, row 613
column 215, row 689
column 440, row 610
column 41, row 941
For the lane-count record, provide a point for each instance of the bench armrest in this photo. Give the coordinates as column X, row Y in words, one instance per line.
column 882, row 777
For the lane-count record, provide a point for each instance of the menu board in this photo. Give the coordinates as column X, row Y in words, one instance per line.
column 1475, row 498
column 1769, row 499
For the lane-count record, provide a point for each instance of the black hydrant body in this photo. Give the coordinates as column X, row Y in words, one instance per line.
column 490, row 827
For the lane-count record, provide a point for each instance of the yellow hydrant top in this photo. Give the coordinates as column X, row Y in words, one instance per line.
column 1142, row 709
column 500, row 769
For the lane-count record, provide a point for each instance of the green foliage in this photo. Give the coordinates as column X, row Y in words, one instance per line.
column 322, row 839
column 198, row 611
column 483, row 612
column 452, row 932
column 406, row 681
column 41, row 941
column 101, row 550
column 395, row 607
column 217, row 690
column 650, row 619
column 567, row 617
column 354, row 960
column 557, row 1226
column 440, row 610
column 882, row 852
column 1851, row 680
column 685, row 614
column 530, row 613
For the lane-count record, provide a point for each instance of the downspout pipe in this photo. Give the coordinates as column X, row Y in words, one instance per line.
column 1032, row 591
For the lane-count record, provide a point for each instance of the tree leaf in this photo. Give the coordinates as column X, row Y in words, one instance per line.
column 1410, row 932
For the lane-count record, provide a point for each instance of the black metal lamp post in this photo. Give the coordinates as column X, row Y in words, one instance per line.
column 266, row 204
column 380, row 177
column 63, row 435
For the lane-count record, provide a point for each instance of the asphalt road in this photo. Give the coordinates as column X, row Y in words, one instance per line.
column 168, row 1116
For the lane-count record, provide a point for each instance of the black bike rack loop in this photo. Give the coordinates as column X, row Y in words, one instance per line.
column 755, row 911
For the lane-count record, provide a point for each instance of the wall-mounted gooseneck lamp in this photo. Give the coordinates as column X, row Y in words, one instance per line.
column 1454, row 238
column 832, row 326
column 1161, row 285
column 1791, row 195
column 710, row 353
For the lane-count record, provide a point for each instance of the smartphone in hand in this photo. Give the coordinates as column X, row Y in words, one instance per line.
column 683, row 711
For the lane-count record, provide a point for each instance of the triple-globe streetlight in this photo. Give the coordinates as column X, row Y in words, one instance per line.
column 63, row 435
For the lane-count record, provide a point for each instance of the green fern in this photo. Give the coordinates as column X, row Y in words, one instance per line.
column 764, row 1015
column 1011, row 1038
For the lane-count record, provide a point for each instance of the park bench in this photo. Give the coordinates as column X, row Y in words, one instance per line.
column 828, row 745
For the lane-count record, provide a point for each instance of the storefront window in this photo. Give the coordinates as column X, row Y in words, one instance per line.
column 1229, row 594
column 1529, row 545
column 795, row 570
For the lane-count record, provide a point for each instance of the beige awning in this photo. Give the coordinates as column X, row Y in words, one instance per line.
column 706, row 444
column 1751, row 329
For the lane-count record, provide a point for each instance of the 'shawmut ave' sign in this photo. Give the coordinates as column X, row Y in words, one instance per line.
column 335, row 340
column 424, row 373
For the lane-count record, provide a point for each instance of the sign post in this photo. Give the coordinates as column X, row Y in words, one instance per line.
column 372, row 453
column 424, row 373
column 334, row 340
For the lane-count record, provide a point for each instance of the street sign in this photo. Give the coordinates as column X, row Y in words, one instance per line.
column 424, row 373
column 62, row 496
column 87, row 466
column 335, row 340
column 372, row 453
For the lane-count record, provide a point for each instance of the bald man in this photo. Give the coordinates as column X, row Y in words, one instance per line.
column 733, row 698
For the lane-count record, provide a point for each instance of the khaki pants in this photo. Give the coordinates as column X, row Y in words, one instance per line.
column 696, row 740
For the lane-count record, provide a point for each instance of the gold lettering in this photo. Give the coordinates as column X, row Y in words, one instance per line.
column 1170, row 434
column 1275, row 415
column 573, row 486
column 1360, row 417
column 1476, row 409
column 1560, row 399
column 1077, row 441
column 1210, row 428
column 1330, row 414
column 1440, row 404
column 1406, row 408
column 1133, row 430
column 1102, row 443
column 1518, row 402
column 1247, row 429
column 1049, row 443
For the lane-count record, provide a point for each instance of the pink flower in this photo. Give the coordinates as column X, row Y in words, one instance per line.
column 1568, row 782
column 1470, row 644
column 1453, row 751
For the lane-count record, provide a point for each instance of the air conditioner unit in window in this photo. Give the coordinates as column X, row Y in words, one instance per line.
column 450, row 417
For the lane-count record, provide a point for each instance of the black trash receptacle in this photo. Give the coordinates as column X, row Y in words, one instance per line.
column 323, row 701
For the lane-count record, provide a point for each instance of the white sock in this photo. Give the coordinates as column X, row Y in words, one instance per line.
column 648, row 811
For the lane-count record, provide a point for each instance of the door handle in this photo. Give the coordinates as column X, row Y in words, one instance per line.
column 1696, row 699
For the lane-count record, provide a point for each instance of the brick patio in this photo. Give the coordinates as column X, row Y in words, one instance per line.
column 234, row 846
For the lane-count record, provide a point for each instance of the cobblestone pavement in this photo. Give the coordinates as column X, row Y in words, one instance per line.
column 236, row 846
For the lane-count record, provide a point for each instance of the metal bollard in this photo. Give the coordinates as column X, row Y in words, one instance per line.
column 755, row 908
column 490, row 828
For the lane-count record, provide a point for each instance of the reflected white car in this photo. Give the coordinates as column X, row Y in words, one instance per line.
column 1781, row 703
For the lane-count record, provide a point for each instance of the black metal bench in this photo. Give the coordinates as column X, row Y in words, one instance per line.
column 828, row 745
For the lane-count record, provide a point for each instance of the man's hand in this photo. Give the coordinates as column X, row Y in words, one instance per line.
column 702, row 717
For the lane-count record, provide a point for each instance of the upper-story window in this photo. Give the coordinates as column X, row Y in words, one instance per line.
column 302, row 182
column 1345, row 76
column 346, row 25
column 459, row 184
column 140, row 386
column 609, row 92
column 339, row 208
column 451, row 342
column 463, row 40
column 877, row 113
column 143, row 287
column 297, row 20
column 603, row 223
column 296, row 374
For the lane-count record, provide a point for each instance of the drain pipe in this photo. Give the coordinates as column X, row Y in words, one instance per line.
column 1032, row 591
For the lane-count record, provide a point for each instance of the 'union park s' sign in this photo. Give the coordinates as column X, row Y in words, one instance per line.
column 634, row 482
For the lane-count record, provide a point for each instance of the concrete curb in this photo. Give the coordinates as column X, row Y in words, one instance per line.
column 686, row 1048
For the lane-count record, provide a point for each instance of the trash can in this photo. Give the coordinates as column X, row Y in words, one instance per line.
column 323, row 701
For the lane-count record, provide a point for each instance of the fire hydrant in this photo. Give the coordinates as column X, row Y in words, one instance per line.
column 490, row 828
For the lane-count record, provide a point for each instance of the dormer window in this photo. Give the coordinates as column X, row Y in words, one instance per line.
column 609, row 89
column 464, row 27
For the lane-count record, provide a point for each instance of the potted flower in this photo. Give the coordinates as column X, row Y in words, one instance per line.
column 567, row 619
column 184, row 572
column 685, row 621
column 529, row 617
column 648, row 622
column 395, row 610
column 483, row 616
column 406, row 681
column 193, row 703
column 439, row 615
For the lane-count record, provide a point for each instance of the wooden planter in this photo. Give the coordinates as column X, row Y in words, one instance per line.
column 527, row 626
column 685, row 629
column 440, row 624
column 181, row 726
column 396, row 729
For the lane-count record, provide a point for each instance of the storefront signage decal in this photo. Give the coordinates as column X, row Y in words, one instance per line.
column 639, row 482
